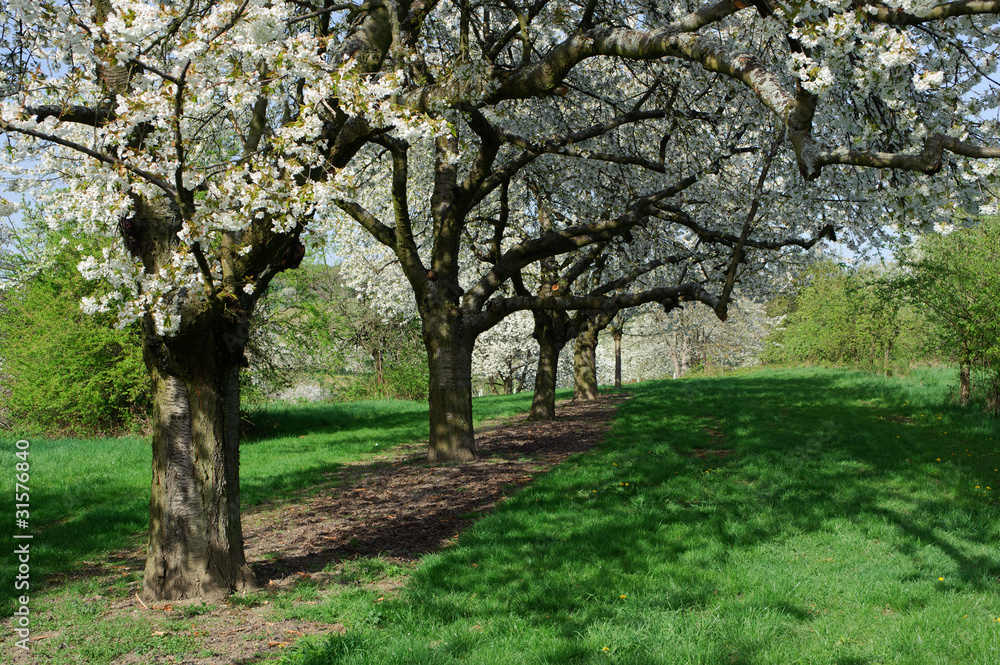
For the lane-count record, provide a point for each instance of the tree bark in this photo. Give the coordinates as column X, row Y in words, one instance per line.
column 195, row 546
column 993, row 393
column 616, row 334
column 550, row 344
column 585, row 367
column 965, row 381
column 449, row 394
column 379, row 374
column 675, row 355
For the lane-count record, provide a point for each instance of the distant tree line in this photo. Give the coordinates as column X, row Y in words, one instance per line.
column 939, row 301
column 846, row 317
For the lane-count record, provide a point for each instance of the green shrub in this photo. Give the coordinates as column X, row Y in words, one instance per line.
column 64, row 370
column 848, row 318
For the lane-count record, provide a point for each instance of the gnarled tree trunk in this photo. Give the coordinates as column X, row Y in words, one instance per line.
column 585, row 366
column 551, row 341
column 195, row 543
column 449, row 394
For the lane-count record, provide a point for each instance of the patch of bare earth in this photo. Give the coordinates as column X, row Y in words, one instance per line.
column 716, row 445
column 396, row 506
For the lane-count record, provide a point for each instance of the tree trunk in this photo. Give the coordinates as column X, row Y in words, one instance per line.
column 550, row 343
column 965, row 381
column 675, row 355
column 195, row 546
column 993, row 396
column 379, row 374
column 616, row 334
column 449, row 395
column 685, row 354
column 585, row 367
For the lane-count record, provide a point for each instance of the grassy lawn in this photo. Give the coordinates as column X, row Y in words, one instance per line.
column 778, row 517
column 91, row 497
column 794, row 516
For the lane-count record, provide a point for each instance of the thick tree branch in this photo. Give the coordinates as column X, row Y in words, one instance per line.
column 405, row 245
column 928, row 161
column 82, row 115
column 892, row 16
column 382, row 233
column 680, row 217
column 528, row 155
column 669, row 296
column 637, row 272
column 567, row 240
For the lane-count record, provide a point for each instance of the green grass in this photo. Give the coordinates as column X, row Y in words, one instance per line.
column 792, row 516
column 831, row 533
column 91, row 497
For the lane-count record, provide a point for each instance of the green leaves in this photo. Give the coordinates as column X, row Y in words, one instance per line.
column 845, row 317
column 66, row 370
column 956, row 279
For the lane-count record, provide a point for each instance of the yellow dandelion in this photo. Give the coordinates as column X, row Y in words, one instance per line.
column 940, row 579
column 605, row 649
column 623, row 596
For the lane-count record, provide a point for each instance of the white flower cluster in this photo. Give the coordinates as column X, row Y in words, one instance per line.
column 223, row 61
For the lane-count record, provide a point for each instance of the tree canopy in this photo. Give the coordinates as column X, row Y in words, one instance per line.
column 205, row 138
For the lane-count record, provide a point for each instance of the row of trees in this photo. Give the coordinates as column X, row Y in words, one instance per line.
column 570, row 160
column 312, row 338
column 843, row 316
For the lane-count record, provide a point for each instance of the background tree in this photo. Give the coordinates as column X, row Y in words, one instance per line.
column 845, row 317
column 315, row 335
column 505, row 357
column 671, row 344
column 955, row 280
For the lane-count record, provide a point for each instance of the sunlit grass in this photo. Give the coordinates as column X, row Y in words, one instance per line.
column 91, row 497
column 779, row 517
column 795, row 516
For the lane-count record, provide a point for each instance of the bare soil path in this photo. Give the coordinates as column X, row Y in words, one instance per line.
column 396, row 506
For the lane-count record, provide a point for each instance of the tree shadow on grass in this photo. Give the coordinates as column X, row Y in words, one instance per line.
column 405, row 508
column 806, row 455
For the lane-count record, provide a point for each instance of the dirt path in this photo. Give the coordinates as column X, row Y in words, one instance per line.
column 396, row 506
